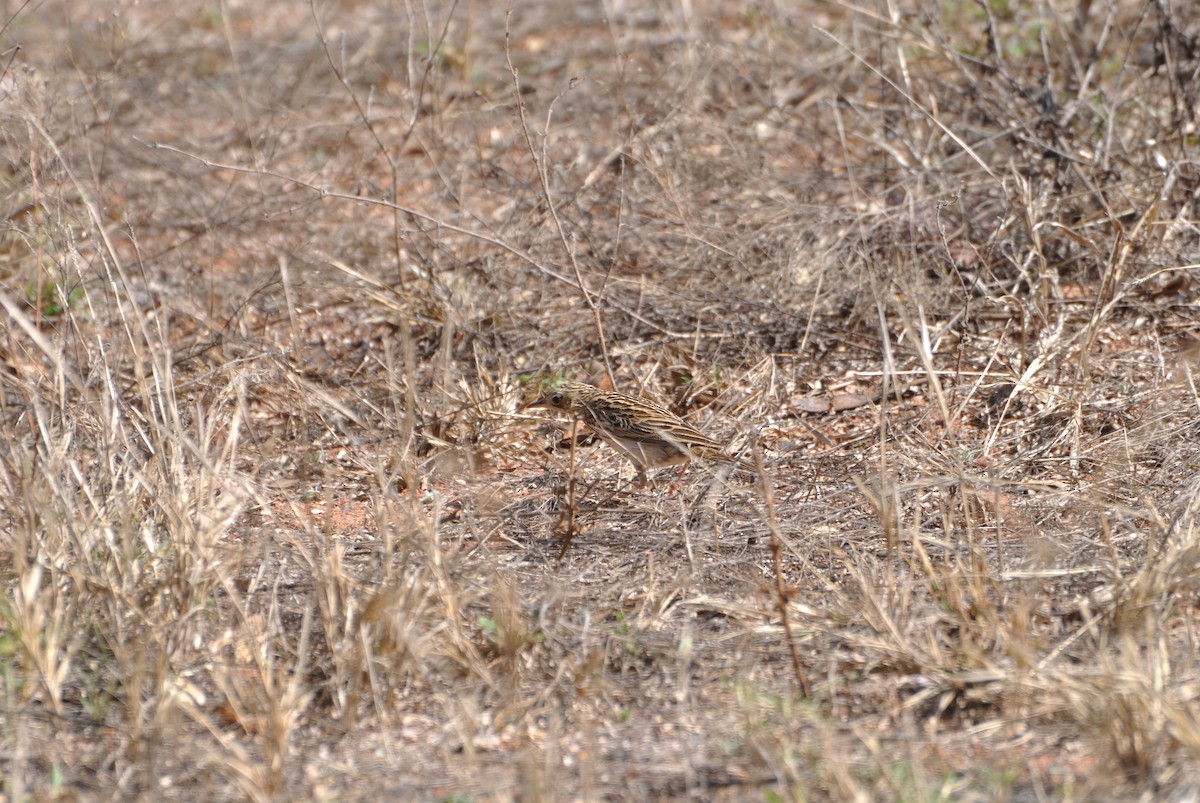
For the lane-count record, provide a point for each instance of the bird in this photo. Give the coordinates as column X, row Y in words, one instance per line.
column 647, row 433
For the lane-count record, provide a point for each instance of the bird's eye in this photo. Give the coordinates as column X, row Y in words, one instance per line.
column 556, row 399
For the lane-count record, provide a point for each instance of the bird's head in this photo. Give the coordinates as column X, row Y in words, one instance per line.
column 564, row 396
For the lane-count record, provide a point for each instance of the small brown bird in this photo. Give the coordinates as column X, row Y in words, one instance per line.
column 650, row 435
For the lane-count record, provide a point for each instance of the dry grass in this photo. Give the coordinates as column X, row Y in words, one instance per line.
column 275, row 287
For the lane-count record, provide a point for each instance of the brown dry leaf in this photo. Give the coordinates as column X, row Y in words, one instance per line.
column 849, row 401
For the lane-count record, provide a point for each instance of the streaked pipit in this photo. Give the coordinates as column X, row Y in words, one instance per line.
column 650, row 435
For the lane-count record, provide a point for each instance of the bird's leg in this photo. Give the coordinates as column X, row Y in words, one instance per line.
column 674, row 489
column 641, row 480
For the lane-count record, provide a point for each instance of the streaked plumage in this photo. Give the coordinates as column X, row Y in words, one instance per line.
column 647, row 433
